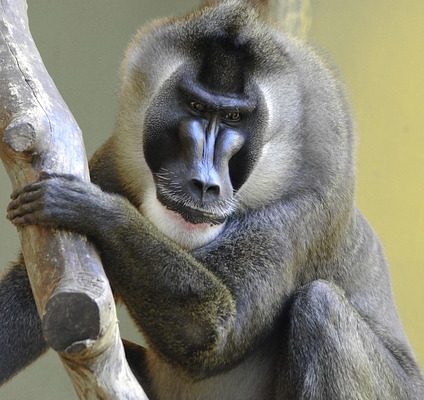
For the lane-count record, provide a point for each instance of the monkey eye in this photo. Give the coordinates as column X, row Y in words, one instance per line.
column 198, row 107
column 232, row 116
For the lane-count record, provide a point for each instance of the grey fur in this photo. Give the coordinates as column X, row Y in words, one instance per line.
column 291, row 300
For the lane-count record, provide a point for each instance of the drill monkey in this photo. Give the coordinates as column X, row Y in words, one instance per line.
column 222, row 207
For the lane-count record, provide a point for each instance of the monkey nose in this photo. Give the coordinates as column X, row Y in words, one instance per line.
column 204, row 189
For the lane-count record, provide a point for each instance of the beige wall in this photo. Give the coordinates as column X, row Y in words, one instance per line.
column 379, row 49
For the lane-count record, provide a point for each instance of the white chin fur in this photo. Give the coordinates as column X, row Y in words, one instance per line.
column 173, row 225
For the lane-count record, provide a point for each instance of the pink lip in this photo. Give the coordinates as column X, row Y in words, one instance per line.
column 183, row 223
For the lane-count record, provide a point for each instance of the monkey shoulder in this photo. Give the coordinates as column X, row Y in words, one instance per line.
column 105, row 172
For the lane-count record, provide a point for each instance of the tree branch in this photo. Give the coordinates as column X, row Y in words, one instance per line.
column 72, row 293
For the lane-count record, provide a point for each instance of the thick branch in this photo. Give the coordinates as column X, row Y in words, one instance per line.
column 72, row 293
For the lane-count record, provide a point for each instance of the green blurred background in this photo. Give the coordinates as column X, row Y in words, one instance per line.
column 378, row 47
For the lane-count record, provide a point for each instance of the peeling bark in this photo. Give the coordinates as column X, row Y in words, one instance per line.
column 73, row 296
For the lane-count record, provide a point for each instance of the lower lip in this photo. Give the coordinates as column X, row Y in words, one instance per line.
column 182, row 222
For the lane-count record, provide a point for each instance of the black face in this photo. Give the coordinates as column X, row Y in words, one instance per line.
column 200, row 148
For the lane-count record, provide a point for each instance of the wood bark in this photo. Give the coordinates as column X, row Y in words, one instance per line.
column 73, row 296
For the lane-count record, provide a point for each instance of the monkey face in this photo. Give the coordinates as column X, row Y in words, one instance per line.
column 198, row 146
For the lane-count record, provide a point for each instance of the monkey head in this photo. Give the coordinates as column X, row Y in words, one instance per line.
column 197, row 130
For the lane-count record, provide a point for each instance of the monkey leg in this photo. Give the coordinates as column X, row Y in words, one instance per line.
column 331, row 353
column 21, row 339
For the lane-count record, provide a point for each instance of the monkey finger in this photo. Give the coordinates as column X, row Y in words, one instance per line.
column 23, row 209
column 28, row 188
column 23, row 198
column 29, row 219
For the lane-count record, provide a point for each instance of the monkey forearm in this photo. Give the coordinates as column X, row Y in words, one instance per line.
column 207, row 310
column 183, row 307
column 187, row 312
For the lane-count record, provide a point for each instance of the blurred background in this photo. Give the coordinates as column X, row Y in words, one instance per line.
column 378, row 48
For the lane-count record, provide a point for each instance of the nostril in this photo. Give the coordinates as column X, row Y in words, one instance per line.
column 198, row 184
column 213, row 189
column 204, row 188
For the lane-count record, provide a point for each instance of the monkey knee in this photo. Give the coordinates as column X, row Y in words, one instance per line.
column 320, row 296
column 318, row 309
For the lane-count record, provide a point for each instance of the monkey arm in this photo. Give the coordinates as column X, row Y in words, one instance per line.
column 202, row 318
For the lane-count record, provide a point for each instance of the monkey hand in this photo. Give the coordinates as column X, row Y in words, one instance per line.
column 60, row 201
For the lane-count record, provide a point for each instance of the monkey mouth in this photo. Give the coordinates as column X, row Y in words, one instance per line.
column 190, row 214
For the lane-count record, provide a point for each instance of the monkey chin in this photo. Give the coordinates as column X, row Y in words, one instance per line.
column 188, row 235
